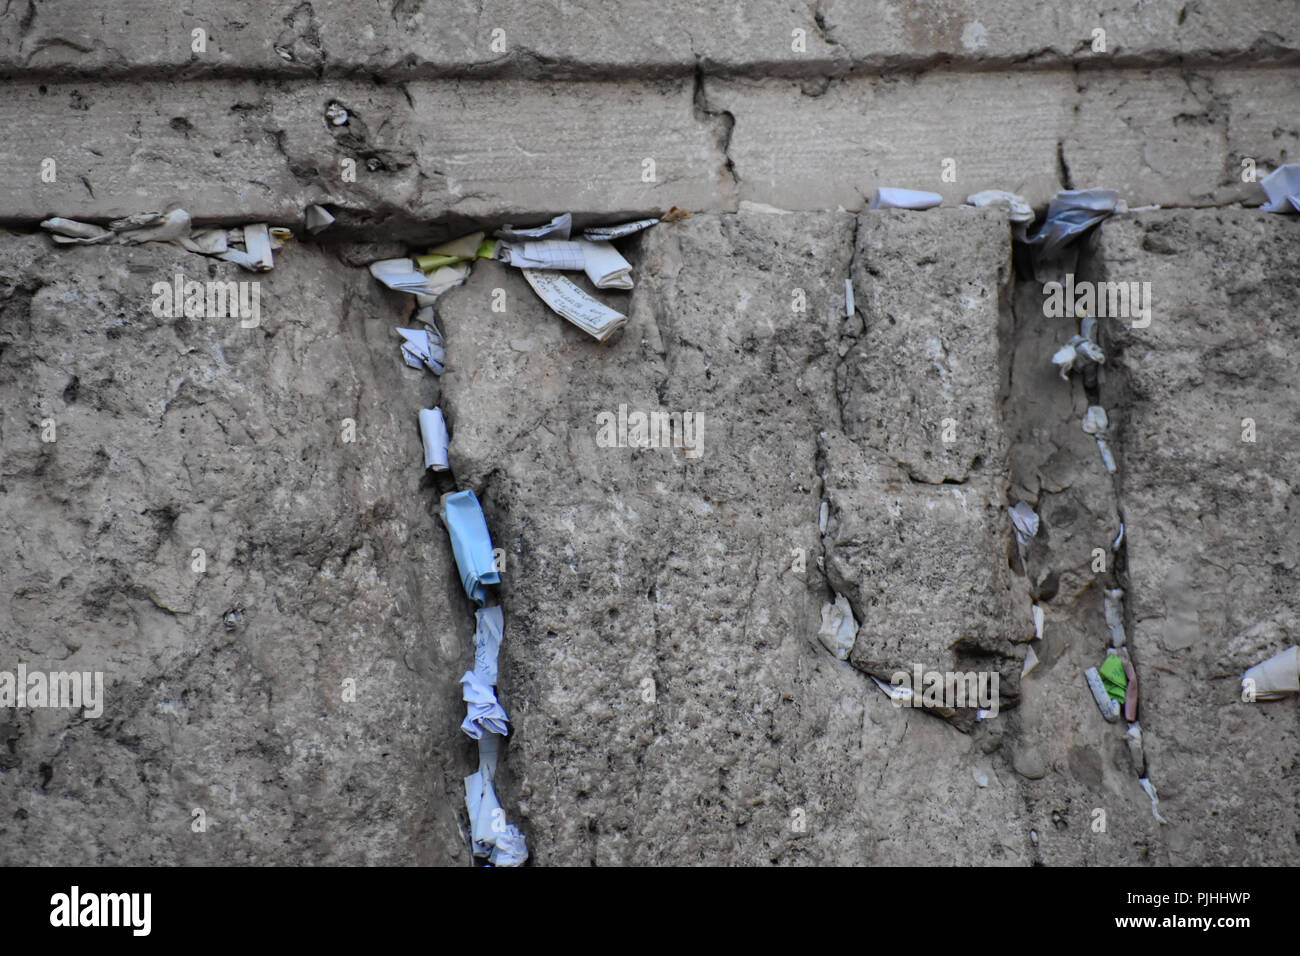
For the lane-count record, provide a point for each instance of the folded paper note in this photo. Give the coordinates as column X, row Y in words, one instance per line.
column 433, row 433
column 557, row 228
column 1025, row 521
column 604, row 266
column 839, row 628
column 318, row 219
column 607, row 233
column 470, row 543
column 1109, row 708
column 421, row 348
column 487, row 642
column 401, row 275
column 889, row 198
column 1282, row 187
column 256, row 254
column 567, row 300
column 1274, row 678
column 1016, row 207
column 484, row 714
column 560, row 254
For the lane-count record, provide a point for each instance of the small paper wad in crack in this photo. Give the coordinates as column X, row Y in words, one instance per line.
column 567, row 300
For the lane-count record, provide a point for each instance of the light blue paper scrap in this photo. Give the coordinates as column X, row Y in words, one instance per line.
column 471, row 543
column 1282, row 187
column 493, row 837
column 1071, row 213
column 487, row 642
column 484, row 714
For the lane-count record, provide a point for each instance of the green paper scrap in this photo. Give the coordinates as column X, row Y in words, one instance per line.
column 462, row 248
column 433, row 261
column 1113, row 677
column 473, row 246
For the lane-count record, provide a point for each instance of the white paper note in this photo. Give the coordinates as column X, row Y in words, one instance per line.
column 567, row 300
column 433, row 432
column 604, row 266
column 606, row 233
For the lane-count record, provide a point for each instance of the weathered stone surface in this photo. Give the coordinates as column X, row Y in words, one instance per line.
column 410, row 40
column 1155, row 136
column 910, row 509
column 224, row 688
column 427, row 158
column 1212, row 542
column 1028, row 32
column 834, row 144
column 921, row 385
column 670, row 699
column 1176, row 138
column 672, row 702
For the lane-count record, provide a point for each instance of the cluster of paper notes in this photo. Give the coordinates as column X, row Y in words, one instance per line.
column 539, row 252
column 248, row 246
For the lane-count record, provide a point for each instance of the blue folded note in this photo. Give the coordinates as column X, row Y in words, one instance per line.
column 471, row 543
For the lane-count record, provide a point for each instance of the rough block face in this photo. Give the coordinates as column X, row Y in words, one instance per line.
column 232, row 523
column 223, row 687
column 1212, row 547
column 631, row 38
column 918, row 538
column 921, row 385
column 698, row 583
column 244, row 149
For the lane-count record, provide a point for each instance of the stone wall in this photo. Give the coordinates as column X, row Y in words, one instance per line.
column 671, row 700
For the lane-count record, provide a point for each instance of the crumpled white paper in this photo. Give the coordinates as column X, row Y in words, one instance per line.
column 1282, row 187
column 433, row 433
column 839, row 628
column 1025, row 521
column 557, row 228
column 175, row 226
column 422, row 348
column 488, row 633
column 1150, row 788
column 889, row 198
column 1016, row 207
column 485, row 715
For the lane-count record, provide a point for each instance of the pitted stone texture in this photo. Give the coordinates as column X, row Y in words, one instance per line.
column 413, row 39
column 800, row 147
column 224, row 688
column 1211, row 519
column 912, row 513
column 921, row 385
column 1023, row 31
column 1179, row 138
column 925, row 570
column 1155, row 136
column 408, row 156
column 671, row 701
